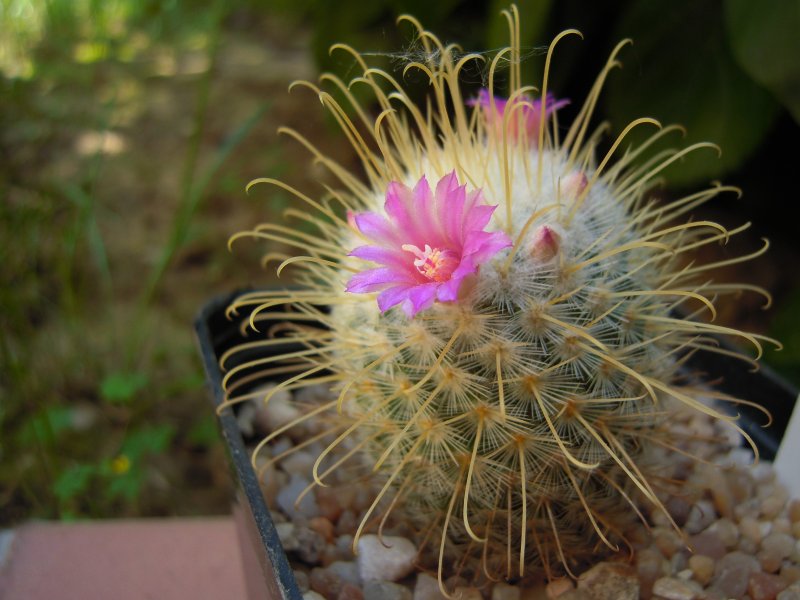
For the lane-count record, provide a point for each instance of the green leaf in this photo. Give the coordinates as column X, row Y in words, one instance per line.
column 765, row 38
column 46, row 425
column 73, row 481
column 120, row 388
column 126, row 486
column 681, row 71
column 147, row 440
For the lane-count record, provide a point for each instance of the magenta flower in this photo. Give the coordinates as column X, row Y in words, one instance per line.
column 529, row 112
column 427, row 244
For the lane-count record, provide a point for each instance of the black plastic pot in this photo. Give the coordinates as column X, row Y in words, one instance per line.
column 268, row 575
column 267, row 571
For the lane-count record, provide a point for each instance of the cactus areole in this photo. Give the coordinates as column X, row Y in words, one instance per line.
column 499, row 330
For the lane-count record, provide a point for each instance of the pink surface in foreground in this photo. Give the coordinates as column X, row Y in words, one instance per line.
column 171, row 558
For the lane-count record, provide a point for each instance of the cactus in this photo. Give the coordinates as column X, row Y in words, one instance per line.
column 500, row 330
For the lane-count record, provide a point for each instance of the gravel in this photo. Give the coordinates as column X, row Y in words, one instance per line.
column 739, row 538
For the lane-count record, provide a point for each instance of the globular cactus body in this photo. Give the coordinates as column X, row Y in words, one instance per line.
column 502, row 334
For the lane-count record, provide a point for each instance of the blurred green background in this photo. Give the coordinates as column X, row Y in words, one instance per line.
column 129, row 128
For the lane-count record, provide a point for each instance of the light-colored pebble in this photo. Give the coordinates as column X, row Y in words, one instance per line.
column 650, row 565
column 312, row 595
column 751, row 529
column 558, row 587
column 467, row 593
column 671, row 588
column 504, row 591
column 738, row 456
column 794, row 511
column 667, row 541
column 272, row 481
column 747, row 546
column 299, row 462
column 287, row 499
column 427, row 588
column 726, row 531
column 308, row 545
column 790, row 572
column 774, row 548
column 707, row 543
column 732, row 573
column 766, row 528
column 772, row 505
column 286, row 534
column 763, row 473
column 763, row 586
column 610, row 581
column 701, row 515
column 346, row 571
column 345, row 543
column 347, row 523
column 279, row 410
column 323, row 527
column 702, row 568
column 301, row 577
column 678, row 562
column 390, row 562
column 790, row 593
column 746, row 508
column 350, row 592
column 245, row 417
column 721, row 494
column 386, row 590
column 331, row 584
column 330, row 502
column 281, row 445
column 782, row 525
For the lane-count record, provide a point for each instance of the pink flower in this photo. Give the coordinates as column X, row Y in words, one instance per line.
column 427, row 244
column 529, row 111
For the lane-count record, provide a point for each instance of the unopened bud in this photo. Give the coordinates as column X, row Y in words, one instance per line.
column 573, row 185
column 546, row 243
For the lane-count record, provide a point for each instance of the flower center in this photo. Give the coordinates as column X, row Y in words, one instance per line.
column 434, row 263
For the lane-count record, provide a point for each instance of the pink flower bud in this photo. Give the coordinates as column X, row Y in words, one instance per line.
column 572, row 185
column 546, row 244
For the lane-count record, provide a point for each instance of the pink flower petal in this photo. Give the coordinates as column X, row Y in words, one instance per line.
column 393, row 296
column 389, row 257
column 425, row 214
column 453, row 214
column 422, row 296
column 478, row 218
column 375, row 227
column 448, row 291
column 396, row 206
column 374, row 280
